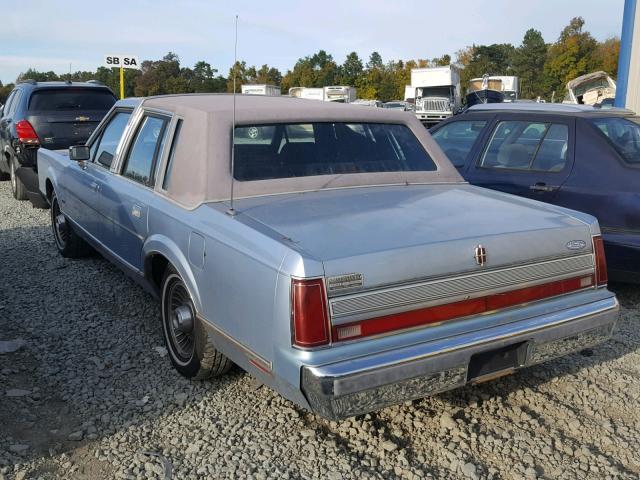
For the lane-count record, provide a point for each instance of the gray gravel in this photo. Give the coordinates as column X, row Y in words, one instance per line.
column 87, row 391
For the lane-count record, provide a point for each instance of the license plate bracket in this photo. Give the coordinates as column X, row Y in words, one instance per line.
column 496, row 363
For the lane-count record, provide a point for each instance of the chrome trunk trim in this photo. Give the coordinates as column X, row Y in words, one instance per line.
column 361, row 305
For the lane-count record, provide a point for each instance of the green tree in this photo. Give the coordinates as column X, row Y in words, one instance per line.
column 568, row 58
column 605, row 56
column 242, row 74
column 5, row 90
column 317, row 70
column 375, row 61
column 268, row 75
column 351, row 69
column 495, row 59
column 528, row 63
column 156, row 76
column 32, row 74
column 442, row 61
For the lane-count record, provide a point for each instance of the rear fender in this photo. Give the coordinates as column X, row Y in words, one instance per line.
column 158, row 244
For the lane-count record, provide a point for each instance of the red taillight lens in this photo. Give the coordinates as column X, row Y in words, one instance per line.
column 601, row 262
column 464, row 308
column 310, row 315
column 26, row 133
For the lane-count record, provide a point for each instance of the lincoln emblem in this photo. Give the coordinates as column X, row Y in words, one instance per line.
column 480, row 255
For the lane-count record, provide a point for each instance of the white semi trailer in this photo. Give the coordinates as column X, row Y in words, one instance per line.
column 263, row 89
column 339, row 93
column 437, row 93
column 309, row 93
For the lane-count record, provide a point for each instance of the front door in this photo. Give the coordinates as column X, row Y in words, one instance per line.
column 85, row 181
column 527, row 156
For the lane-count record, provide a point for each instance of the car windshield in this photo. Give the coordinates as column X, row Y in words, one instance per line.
column 72, row 99
column 624, row 135
column 302, row 150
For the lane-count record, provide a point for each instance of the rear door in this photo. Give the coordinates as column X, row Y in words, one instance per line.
column 126, row 197
column 526, row 155
column 67, row 116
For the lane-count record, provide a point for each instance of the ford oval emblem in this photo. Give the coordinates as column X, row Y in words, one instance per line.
column 576, row 244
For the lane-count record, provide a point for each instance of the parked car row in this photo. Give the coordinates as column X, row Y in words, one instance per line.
column 49, row 114
column 332, row 251
column 574, row 156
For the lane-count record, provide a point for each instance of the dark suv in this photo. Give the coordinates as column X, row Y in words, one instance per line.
column 54, row 115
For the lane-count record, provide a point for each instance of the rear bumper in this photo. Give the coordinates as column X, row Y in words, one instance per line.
column 357, row 386
column 29, row 178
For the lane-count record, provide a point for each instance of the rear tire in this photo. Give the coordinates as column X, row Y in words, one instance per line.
column 69, row 244
column 17, row 187
column 188, row 342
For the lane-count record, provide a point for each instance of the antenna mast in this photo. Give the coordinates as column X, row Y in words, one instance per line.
column 231, row 210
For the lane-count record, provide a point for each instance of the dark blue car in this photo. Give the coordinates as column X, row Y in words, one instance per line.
column 576, row 156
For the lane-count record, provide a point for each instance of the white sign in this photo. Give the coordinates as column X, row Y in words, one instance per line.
column 124, row 61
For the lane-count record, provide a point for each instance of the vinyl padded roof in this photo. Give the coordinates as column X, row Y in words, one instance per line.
column 202, row 162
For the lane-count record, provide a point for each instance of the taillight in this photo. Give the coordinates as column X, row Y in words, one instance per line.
column 309, row 311
column 601, row 262
column 26, row 133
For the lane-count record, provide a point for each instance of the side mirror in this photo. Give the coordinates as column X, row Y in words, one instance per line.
column 79, row 153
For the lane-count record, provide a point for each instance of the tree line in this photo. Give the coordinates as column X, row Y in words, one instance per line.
column 543, row 68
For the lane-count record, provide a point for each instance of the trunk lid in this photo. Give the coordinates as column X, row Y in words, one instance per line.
column 395, row 235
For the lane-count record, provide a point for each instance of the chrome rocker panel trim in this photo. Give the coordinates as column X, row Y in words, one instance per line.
column 348, row 388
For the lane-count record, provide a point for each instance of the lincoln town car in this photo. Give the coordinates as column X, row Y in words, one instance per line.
column 331, row 251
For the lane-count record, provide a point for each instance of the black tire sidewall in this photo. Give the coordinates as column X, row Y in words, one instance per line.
column 191, row 368
column 54, row 202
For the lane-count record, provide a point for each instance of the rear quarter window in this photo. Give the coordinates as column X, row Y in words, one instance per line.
column 71, row 99
column 623, row 134
column 456, row 139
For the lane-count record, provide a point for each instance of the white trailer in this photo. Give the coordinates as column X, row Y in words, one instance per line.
column 263, row 89
column 307, row 92
column 437, row 93
column 339, row 93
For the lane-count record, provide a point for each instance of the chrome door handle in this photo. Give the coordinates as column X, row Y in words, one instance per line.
column 95, row 186
column 541, row 187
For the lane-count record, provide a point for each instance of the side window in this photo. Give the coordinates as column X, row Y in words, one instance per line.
column 7, row 105
column 104, row 149
column 552, row 154
column 15, row 102
column 521, row 145
column 143, row 154
column 167, row 174
column 456, row 139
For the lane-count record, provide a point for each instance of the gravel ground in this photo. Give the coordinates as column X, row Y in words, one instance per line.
column 90, row 394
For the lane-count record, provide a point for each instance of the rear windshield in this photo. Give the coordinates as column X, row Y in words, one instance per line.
column 624, row 135
column 71, row 99
column 301, row 150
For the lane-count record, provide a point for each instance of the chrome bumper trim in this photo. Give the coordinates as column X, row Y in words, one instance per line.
column 360, row 385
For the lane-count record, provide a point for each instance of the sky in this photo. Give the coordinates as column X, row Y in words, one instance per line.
column 51, row 34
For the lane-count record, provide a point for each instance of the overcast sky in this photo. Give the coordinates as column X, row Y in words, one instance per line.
column 48, row 35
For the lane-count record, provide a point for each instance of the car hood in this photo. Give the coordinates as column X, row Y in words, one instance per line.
column 399, row 233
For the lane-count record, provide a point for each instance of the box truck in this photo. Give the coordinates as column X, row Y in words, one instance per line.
column 437, row 93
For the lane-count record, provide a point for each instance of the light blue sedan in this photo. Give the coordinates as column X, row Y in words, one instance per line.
column 331, row 251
